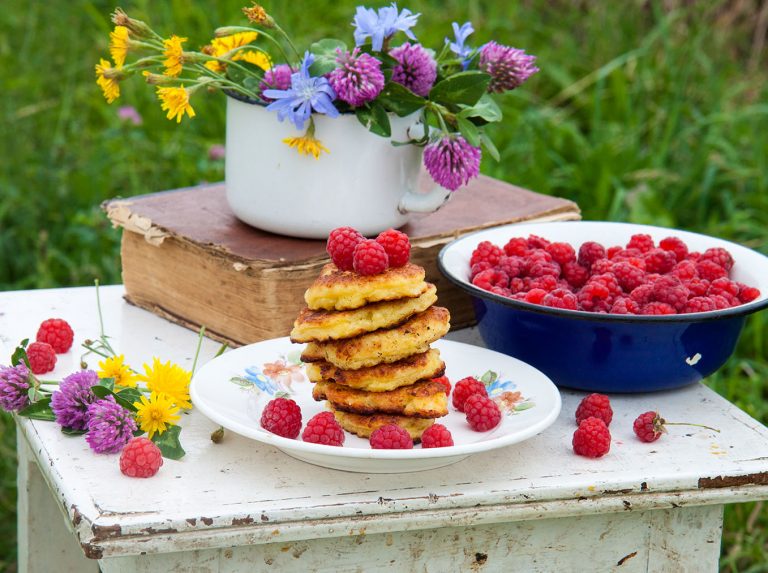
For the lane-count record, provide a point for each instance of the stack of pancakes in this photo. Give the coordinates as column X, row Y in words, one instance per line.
column 368, row 350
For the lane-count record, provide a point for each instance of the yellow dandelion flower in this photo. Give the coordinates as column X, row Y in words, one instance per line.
column 307, row 144
column 176, row 102
column 114, row 367
column 258, row 15
column 108, row 85
column 118, row 45
column 174, row 55
column 156, row 413
column 168, row 379
column 254, row 57
column 221, row 46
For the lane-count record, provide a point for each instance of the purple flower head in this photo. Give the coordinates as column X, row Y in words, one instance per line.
column 306, row 94
column 451, row 161
column 459, row 47
column 128, row 113
column 14, row 383
column 70, row 402
column 110, row 426
column 217, row 152
column 276, row 78
column 358, row 79
column 380, row 25
column 508, row 67
column 416, row 70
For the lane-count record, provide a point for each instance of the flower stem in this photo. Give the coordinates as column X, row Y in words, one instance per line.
column 687, row 424
column 199, row 344
column 287, row 39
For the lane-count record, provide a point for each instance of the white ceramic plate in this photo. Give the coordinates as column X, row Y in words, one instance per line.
column 233, row 389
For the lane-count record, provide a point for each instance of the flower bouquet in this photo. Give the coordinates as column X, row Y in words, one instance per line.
column 451, row 91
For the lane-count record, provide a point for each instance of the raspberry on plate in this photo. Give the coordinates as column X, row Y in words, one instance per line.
column 323, row 429
column 719, row 256
column 710, row 270
column 369, row 258
column 486, row 251
column 592, row 438
column 595, row 406
column 561, row 253
column 465, row 388
column 140, row 458
column 700, row 304
column 641, row 242
column 282, row 416
column 397, row 246
column 658, row 308
column 589, row 252
column 42, row 357
column 561, row 298
column 57, row 333
column 445, row 382
column 516, row 246
column 341, row 245
column 391, row 437
column 491, row 278
column 436, row 436
column 483, row 414
column 659, row 261
column 676, row 245
column 670, row 290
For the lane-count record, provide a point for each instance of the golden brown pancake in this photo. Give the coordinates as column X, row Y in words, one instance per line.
column 343, row 290
column 320, row 325
column 382, row 377
column 425, row 399
column 391, row 345
column 364, row 426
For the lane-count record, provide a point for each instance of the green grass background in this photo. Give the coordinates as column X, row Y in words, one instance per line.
column 644, row 111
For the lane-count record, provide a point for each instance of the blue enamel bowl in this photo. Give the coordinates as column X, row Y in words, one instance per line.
column 603, row 352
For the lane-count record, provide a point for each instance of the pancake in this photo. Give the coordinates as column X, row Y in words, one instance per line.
column 425, row 399
column 321, row 325
column 364, row 426
column 391, row 345
column 344, row 290
column 382, row 377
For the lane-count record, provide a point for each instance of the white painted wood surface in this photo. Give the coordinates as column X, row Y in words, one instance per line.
column 537, row 499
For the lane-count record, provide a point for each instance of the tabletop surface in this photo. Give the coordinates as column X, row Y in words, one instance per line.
column 242, row 491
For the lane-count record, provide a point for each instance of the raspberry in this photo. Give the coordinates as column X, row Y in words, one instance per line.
column 669, row 289
column 625, row 305
column 486, row 251
column 628, row 276
column 57, row 333
column 725, row 287
column 685, row 270
column 595, row 406
column 748, row 293
column 391, row 437
column 719, row 256
column 610, row 282
column 42, row 357
column 697, row 287
column 341, row 245
column 561, row 298
column 513, row 266
column 483, row 414
column 642, row 294
column 594, row 297
column 535, row 296
column 445, row 382
column 501, row 291
column 282, row 416
column 369, row 258
column 540, row 268
column 590, row 252
column 561, row 252
column 465, row 388
column 396, row 245
column 641, row 242
column 658, row 308
column 536, row 242
column 140, row 458
column 478, row 268
column 648, row 426
column 675, row 245
column 516, row 246
column 710, row 270
column 611, row 252
column 436, row 436
column 323, row 429
column 547, row 283
column 601, row 266
column 721, row 302
column 575, row 274
column 659, row 261
column 491, row 278
column 592, row 438
column 700, row 304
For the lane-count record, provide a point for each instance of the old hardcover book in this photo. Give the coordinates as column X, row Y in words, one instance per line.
column 187, row 258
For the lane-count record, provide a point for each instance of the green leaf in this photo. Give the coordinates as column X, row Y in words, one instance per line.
column 130, row 395
column 19, row 355
column 469, row 130
column 325, row 55
column 240, row 381
column 40, row 410
column 524, row 406
column 489, row 146
column 108, row 383
column 72, row 432
column 486, row 109
column 462, row 88
column 489, row 377
column 169, row 443
column 375, row 119
column 400, row 100
column 103, row 392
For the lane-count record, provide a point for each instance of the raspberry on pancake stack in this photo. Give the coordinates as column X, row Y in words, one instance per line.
column 369, row 322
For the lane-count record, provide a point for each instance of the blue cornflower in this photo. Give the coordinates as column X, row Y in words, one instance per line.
column 380, row 25
column 458, row 47
column 306, row 94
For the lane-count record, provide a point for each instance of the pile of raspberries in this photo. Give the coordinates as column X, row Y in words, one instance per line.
column 639, row 278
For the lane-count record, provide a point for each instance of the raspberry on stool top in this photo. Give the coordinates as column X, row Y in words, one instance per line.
column 57, row 333
column 41, row 356
column 140, row 458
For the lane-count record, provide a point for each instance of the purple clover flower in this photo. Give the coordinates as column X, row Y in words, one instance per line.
column 217, row 152
column 306, row 94
column 452, row 161
column 110, row 426
column 358, row 79
column 459, row 47
column 14, row 383
column 128, row 113
column 416, row 70
column 508, row 67
column 380, row 25
column 70, row 402
column 276, row 78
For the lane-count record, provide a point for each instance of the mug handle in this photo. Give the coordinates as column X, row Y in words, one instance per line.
column 415, row 201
